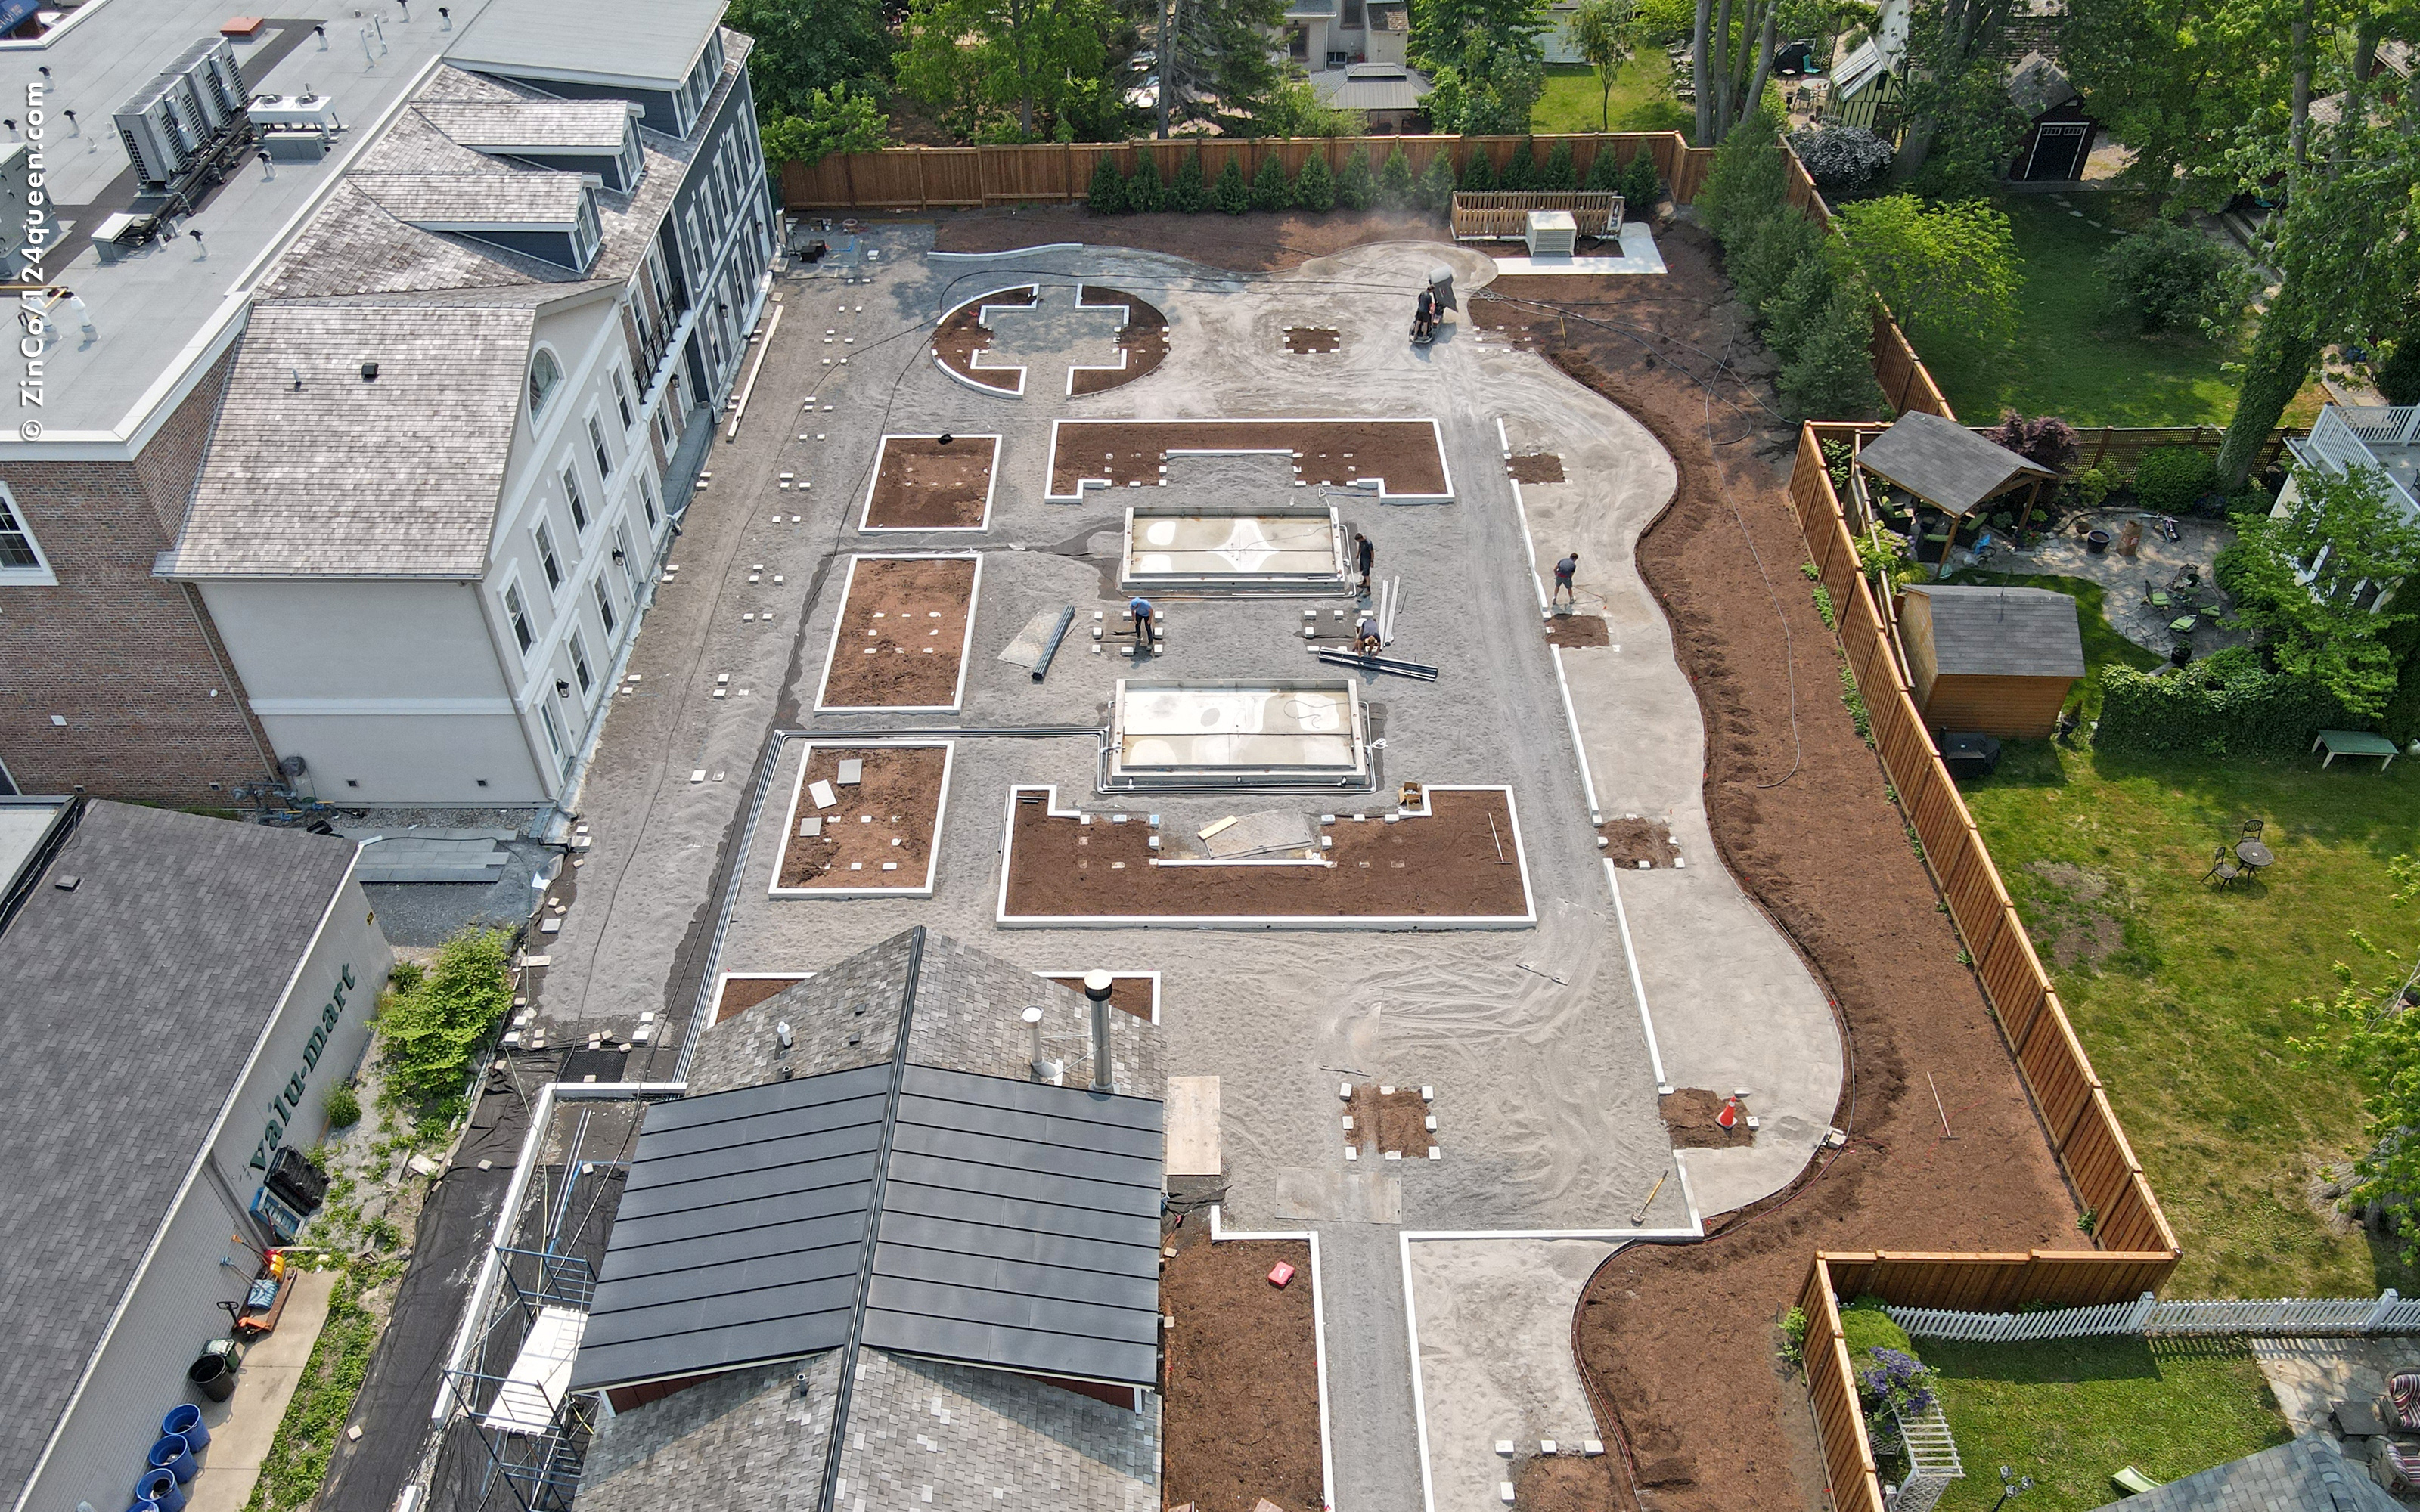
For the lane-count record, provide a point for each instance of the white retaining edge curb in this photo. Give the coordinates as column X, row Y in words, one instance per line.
column 1445, row 467
column 966, row 644
column 1523, row 511
column 1579, row 747
column 1396, row 923
column 1318, row 1344
column 949, row 750
column 983, row 318
column 1015, row 252
column 1638, row 984
column 991, row 487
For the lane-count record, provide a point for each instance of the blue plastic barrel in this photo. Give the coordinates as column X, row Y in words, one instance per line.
column 161, row 1486
column 186, row 1419
column 143, row 1505
column 171, row 1454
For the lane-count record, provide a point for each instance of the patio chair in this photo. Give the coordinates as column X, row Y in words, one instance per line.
column 2223, row 867
column 2401, row 1406
column 2156, row 597
column 2396, row 1464
column 2252, row 828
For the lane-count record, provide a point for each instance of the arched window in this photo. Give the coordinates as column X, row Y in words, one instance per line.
column 545, row 376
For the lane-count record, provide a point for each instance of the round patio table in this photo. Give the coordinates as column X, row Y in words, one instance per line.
column 2253, row 855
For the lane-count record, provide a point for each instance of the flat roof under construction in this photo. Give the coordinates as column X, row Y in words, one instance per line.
column 1277, row 732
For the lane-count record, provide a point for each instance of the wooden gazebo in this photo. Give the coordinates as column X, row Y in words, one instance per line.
column 1948, row 468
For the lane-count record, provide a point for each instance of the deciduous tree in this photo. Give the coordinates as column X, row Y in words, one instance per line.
column 2320, row 583
column 1604, row 33
column 1949, row 273
column 1037, row 61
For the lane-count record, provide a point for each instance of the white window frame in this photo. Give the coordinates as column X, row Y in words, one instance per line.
column 575, row 501
column 647, row 501
column 583, row 673
column 554, row 733
column 629, row 558
column 622, row 399
column 517, row 616
column 538, row 402
column 607, row 614
column 550, row 560
column 13, row 523
column 596, row 447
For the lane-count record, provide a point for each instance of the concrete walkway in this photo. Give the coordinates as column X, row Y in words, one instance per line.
column 244, row 1426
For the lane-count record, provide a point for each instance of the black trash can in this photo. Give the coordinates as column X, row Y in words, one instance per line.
column 213, row 1375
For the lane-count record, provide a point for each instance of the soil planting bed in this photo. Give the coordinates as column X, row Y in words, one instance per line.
column 1127, row 994
column 1689, row 1117
column 1144, row 338
column 1252, row 243
column 1240, row 1422
column 1676, row 1341
column 1629, row 842
column 962, row 334
column 1564, row 1483
column 740, row 994
column 879, row 834
column 902, row 634
column 1441, row 865
column 921, row 485
column 1577, row 632
column 1535, row 466
column 1330, row 453
column 1395, row 1120
column 1309, row 340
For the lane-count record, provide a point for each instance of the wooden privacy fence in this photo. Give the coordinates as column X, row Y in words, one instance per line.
column 2120, row 448
column 1503, row 215
column 2285, row 1317
column 2084, row 1132
column 1061, row 173
column 2092, row 1279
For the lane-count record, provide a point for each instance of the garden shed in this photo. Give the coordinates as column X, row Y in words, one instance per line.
column 2058, row 132
column 1947, row 470
column 1995, row 660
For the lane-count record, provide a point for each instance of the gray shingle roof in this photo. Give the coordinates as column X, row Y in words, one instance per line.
column 2004, row 632
column 531, row 197
column 131, row 1005
column 522, row 125
column 396, row 477
column 1943, row 463
column 2307, row 1475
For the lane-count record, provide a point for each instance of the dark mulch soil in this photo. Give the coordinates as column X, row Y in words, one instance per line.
column 1576, row 632
column 740, row 995
column 1629, row 842
column 1127, row 994
column 1535, row 466
column 1690, row 1114
column 1676, row 1341
column 1241, row 1416
column 1305, row 341
column 902, row 634
column 960, row 336
column 1144, row 338
column 1259, row 242
column 1563, row 1483
column 897, row 798
column 1329, row 452
column 921, row 484
column 1441, row 865
column 1385, row 1121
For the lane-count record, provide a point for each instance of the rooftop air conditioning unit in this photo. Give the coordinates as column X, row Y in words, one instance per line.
column 155, row 144
column 1553, row 234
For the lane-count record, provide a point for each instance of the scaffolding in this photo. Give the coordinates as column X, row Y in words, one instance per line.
column 513, row 1390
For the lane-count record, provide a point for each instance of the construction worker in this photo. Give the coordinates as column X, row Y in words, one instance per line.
column 1365, row 554
column 1139, row 608
column 1564, row 571
column 1365, row 636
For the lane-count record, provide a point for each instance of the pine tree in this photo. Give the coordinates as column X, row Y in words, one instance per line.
column 1791, row 314
column 1604, row 169
column 1270, row 190
column 1395, row 181
column 1231, row 195
column 1643, row 187
column 1435, row 188
column 1143, row 193
column 1832, row 375
column 1520, row 170
column 1559, row 174
column 1356, row 189
column 1314, row 187
column 1108, row 195
column 1189, row 195
column 1478, row 173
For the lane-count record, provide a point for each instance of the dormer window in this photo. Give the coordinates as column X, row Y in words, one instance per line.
column 545, row 376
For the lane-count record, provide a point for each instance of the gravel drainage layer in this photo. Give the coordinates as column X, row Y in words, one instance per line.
column 1241, row 1418
column 962, row 334
column 922, row 483
column 878, row 836
column 1404, row 458
column 900, row 641
column 1458, row 865
column 1142, row 340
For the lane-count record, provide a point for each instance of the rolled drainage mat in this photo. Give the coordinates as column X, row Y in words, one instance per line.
column 186, row 1420
column 175, row 1455
column 160, row 1488
column 213, row 1375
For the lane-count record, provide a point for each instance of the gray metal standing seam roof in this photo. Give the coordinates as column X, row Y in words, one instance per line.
column 1014, row 1225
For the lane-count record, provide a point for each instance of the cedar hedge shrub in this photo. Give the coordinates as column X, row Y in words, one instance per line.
column 2172, row 479
column 2226, row 705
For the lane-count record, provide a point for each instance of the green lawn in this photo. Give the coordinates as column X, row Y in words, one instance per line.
column 1640, row 101
column 2070, row 1411
column 2182, row 992
column 2072, row 356
column 2103, row 646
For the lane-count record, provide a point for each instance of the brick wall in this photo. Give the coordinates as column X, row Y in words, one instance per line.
column 152, row 706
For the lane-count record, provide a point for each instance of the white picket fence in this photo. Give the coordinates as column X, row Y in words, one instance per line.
column 2279, row 1318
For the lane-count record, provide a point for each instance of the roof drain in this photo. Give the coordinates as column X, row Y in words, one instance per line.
column 1097, row 989
column 874, row 1215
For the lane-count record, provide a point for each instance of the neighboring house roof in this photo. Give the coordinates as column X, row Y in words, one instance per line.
column 2003, row 632
column 133, row 1004
column 607, row 38
column 1858, row 71
column 1371, row 86
column 526, row 125
column 2307, row 1476
column 1945, row 463
column 536, row 197
column 2036, row 84
column 912, row 1200
column 399, row 475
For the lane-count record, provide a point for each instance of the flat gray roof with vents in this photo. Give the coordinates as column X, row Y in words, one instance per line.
column 1013, row 1224
column 649, row 39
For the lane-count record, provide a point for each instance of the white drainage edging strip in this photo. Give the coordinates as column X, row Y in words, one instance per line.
column 1318, row 1342
column 1013, row 252
column 1638, row 984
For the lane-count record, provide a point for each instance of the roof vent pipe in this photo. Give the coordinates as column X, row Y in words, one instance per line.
column 1097, row 989
column 1044, row 1070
